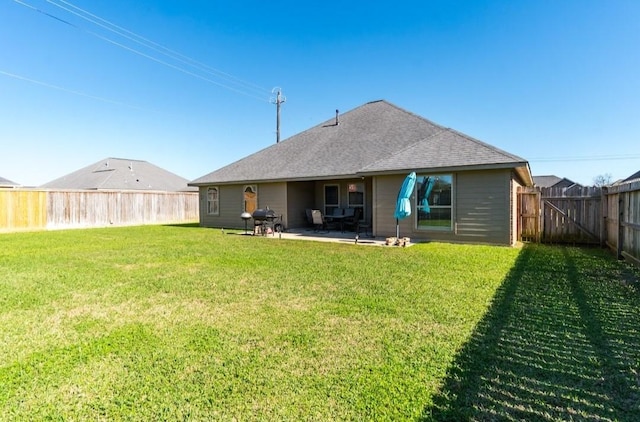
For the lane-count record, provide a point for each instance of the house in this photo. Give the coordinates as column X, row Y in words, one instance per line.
column 6, row 183
column 633, row 177
column 465, row 188
column 553, row 182
column 121, row 174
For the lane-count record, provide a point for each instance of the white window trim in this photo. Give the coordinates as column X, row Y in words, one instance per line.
column 451, row 207
column 217, row 201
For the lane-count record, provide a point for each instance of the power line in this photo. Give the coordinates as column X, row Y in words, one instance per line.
column 588, row 158
column 133, row 50
column 59, row 88
column 139, row 39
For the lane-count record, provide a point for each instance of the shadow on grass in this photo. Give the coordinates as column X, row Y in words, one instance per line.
column 184, row 225
column 560, row 342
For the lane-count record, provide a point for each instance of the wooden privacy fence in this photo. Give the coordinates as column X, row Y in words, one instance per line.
column 58, row 209
column 560, row 215
column 622, row 220
column 586, row 215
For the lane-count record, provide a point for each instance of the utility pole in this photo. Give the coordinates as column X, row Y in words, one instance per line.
column 277, row 101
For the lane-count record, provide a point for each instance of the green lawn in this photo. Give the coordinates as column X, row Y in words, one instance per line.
column 181, row 322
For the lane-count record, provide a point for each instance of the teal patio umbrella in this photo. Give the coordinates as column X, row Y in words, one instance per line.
column 403, row 204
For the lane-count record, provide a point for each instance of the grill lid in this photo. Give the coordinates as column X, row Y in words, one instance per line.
column 262, row 214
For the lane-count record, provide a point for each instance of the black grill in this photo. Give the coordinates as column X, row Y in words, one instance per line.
column 263, row 215
column 266, row 220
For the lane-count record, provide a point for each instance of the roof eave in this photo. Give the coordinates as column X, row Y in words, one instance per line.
column 521, row 167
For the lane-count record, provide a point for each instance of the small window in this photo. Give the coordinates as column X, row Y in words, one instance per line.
column 434, row 206
column 213, row 201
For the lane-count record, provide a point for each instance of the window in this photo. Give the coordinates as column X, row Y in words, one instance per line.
column 331, row 198
column 434, row 206
column 250, row 198
column 355, row 197
column 213, row 201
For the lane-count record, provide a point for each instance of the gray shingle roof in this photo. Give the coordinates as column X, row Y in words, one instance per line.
column 121, row 174
column 7, row 183
column 546, row 181
column 552, row 181
column 373, row 138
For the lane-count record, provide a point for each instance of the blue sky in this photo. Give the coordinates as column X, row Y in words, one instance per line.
column 555, row 82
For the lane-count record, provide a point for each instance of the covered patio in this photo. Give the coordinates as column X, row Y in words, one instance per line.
column 335, row 236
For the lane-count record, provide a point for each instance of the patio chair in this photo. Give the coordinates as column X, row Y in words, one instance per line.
column 318, row 221
column 307, row 213
column 351, row 219
column 365, row 227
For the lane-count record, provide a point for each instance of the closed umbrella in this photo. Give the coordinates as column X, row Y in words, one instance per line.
column 403, row 205
column 425, row 191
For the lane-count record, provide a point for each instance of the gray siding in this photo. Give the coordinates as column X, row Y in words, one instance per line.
column 482, row 206
column 386, row 194
column 230, row 205
column 272, row 195
column 483, row 202
column 300, row 196
column 514, row 211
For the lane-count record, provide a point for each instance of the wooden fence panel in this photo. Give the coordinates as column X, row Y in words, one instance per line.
column 571, row 219
column 612, row 219
column 609, row 216
column 22, row 210
column 74, row 209
column 628, row 228
column 37, row 210
column 529, row 212
column 567, row 215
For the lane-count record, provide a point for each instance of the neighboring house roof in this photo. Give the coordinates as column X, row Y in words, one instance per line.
column 375, row 138
column 552, row 181
column 6, row 183
column 634, row 176
column 121, row 174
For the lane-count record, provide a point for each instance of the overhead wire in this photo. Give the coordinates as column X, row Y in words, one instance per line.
column 71, row 91
column 587, row 158
column 147, row 56
column 139, row 39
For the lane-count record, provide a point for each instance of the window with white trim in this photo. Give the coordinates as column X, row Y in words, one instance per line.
column 433, row 202
column 213, row 201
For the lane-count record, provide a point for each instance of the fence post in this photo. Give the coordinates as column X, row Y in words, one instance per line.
column 603, row 212
column 539, row 216
column 620, row 244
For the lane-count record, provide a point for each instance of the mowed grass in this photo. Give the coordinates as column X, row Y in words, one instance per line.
column 181, row 322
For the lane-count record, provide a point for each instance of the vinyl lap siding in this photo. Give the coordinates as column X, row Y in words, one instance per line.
column 386, row 192
column 483, row 207
column 300, row 196
column 230, row 207
column 272, row 195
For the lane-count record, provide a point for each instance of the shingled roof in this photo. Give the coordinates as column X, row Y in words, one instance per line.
column 552, row 181
column 121, row 174
column 6, row 183
column 375, row 138
column 634, row 176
